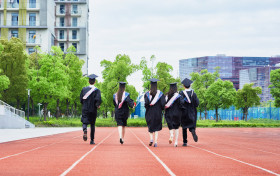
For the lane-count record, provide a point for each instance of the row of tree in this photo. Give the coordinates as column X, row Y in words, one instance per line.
column 56, row 79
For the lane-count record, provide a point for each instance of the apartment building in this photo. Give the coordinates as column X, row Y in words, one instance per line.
column 46, row 23
column 71, row 27
column 29, row 20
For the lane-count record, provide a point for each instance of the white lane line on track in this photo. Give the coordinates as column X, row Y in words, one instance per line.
column 161, row 162
column 258, row 167
column 77, row 162
column 35, row 149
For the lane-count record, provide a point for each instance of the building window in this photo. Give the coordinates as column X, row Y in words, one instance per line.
column 61, row 22
column 74, row 34
column 62, row 9
column 75, row 45
column 14, row 19
column 13, row 3
column 74, row 22
column 32, row 36
column 31, row 50
column 74, row 9
column 61, row 45
column 61, row 34
column 32, row 19
column 14, row 33
column 32, row 3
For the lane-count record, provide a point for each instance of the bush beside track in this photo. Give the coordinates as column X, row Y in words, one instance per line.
column 140, row 122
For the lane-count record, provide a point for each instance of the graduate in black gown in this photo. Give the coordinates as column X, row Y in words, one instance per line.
column 173, row 112
column 189, row 112
column 90, row 99
column 122, row 102
column 154, row 104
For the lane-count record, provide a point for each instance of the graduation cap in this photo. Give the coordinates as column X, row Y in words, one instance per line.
column 187, row 82
column 173, row 85
column 122, row 84
column 92, row 76
column 153, row 80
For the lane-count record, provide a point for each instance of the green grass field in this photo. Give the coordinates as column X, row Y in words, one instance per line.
column 140, row 122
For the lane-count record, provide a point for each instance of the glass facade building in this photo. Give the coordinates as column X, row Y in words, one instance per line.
column 230, row 66
column 260, row 76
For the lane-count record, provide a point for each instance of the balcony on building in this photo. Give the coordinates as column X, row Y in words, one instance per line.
column 71, row 1
column 33, row 7
column 33, row 40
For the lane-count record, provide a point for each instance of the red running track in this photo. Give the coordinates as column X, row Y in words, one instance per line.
column 219, row 151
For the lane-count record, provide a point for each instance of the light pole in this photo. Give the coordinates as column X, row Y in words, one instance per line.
column 28, row 104
column 39, row 104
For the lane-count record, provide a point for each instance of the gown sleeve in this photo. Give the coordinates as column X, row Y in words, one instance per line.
column 129, row 101
column 81, row 96
column 147, row 101
column 98, row 100
column 162, row 102
column 195, row 100
column 114, row 102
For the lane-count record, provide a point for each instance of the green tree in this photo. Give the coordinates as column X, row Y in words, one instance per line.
column 162, row 71
column 113, row 73
column 13, row 64
column 4, row 80
column 246, row 98
column 201, row 82
column 275, row 86
column 220, row 94
column 49, row 82
column 76, row 80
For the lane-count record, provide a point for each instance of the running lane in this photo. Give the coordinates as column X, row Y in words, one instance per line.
column 208, row 158
column 49, row 155
column 112, row 158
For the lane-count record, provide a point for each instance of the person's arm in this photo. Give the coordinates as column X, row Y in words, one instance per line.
column 162, row 102
column 81, row 96
column 147, row 101
column 195, row 100
column 98, row 100
column 129, row 101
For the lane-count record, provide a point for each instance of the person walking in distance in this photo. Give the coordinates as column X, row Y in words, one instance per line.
column 90, row 99
column 154, row 104
column 189, row 112
column 173, row 112
column 122, row 102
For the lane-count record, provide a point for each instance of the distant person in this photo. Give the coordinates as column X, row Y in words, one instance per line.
column 173, row 112
column 189, row 112
column 90, row 98
column 122, row 102
column 154, row 104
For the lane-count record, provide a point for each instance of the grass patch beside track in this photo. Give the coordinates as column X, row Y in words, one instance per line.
column 140, row 122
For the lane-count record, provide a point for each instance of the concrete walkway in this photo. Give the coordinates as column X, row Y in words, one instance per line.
column 7, row 135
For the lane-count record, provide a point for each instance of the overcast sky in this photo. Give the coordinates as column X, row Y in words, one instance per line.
column 180, row 29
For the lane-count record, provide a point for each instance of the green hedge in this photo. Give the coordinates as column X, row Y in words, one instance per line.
column 140, row 122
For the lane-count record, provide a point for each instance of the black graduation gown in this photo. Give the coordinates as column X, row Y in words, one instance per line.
column 122, row 114
column 90, row 105
column 173, row 114
column 189, row 112
column 153, row 113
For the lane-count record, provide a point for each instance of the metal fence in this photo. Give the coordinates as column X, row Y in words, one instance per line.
column 12, row 110
column 253, row 113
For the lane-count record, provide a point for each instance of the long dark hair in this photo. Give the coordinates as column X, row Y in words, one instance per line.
column 120, row 92
column 153, row 90
column 172, row 91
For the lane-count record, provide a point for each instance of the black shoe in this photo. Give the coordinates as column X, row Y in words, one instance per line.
column 185, row 145
column 151, row 143
column 121, row 141
column 195, row 138
column 92, row 142
column 85, row 136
